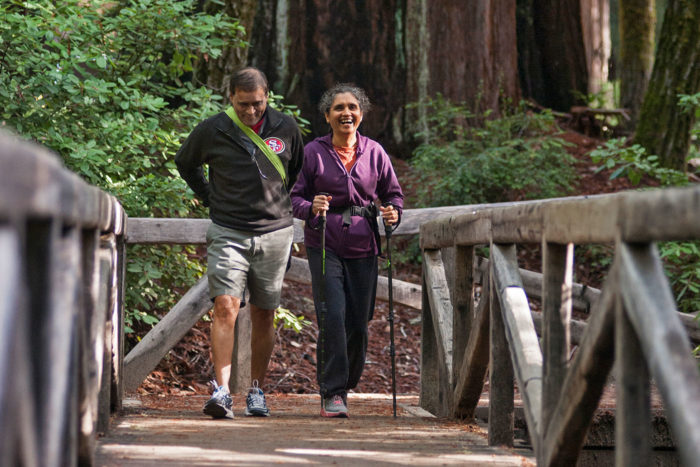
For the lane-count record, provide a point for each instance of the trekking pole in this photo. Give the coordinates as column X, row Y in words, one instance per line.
column 322, row 308
column 388, row 228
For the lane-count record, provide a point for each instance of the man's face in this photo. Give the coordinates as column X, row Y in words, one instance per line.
column 249, row 105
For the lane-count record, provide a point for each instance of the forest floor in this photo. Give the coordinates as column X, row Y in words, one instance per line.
column 187, row 369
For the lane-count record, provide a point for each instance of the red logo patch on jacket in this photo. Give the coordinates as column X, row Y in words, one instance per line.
column 275, row 144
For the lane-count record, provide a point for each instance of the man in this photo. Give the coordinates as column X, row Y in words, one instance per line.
column 249, row 241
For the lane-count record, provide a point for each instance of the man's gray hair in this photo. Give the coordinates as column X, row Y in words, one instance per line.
column 326, row 101
column 248, row 79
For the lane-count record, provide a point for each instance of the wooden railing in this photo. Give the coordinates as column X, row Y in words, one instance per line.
column 632, row 322
column 61, row 268
column 146, row 355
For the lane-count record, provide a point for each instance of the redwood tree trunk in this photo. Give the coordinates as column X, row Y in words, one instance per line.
column 663, row 129
column 637, row 23
column 595, row 20
column 559, row 54
column 472, row 54
column 400, row 51
column 217, row 73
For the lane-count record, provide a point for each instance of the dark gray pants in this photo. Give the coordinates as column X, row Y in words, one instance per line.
column 351, row 287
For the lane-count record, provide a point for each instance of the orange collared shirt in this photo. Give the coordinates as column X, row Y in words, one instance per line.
column 348, row 156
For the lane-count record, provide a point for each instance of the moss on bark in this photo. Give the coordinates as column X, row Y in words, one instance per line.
column 663, row 129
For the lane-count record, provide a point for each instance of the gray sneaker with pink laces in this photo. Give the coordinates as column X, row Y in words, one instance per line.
column 334, row 406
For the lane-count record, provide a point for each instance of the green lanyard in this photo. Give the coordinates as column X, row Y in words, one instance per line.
column 254, row 137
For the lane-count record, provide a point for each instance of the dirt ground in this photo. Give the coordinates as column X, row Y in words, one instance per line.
column 171, row 430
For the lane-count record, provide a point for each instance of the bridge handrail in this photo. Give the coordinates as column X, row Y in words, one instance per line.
column 633, row 322
column 62, row 250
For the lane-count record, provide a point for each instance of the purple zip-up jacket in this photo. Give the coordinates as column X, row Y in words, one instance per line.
column 370, row 178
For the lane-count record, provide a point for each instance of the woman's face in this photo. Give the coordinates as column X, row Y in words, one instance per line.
column 345, row 114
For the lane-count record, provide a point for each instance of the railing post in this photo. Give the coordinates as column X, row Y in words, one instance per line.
column 106, row 306
column 242, row 353
column 462, row 306
column 47, row 210
column 429, row 382
column 120, row 280
column 91, row 324
column 633, row 410
column 501, row 376
column 18, row 431
column 557, row 269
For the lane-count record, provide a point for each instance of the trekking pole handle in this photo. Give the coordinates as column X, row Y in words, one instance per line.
column 323, row 193
column 388, row 228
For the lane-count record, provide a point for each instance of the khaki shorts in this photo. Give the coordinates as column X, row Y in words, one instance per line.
column 236, row 259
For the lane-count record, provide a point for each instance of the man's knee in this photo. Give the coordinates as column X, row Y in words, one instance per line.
column 260, row 317
column 226, row 308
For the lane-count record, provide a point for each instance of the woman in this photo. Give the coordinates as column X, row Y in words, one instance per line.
column 342, row 176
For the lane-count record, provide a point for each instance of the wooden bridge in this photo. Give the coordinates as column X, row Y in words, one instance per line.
column 63, row 373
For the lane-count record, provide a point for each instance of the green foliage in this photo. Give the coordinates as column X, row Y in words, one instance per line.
column 690, row 103
column 289, row 320
column 681, row 259
column 106, row 86
column 406, row 251
column 633, row 163
column 157, row 276
column 276, row 101
column 682, row 263
column 605, row 98
column 492, row 160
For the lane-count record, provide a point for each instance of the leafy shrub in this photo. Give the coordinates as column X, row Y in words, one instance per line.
column 289, row 320
column 682, row 263
column 691, row 103
column 516, row 156
column 632, row 162
column 681, row 259
column 106, row 86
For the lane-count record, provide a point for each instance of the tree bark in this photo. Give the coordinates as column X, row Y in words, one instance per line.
column 595, row 20
column 473, row 52
column 663, row 128
column 216, row 73
column 637, row 23
column 400, row 51
column 558, row 53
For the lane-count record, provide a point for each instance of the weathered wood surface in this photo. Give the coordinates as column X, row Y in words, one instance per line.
column 469, row 381
column 501, row 376
column 649, row 305
column 18, row 437
column 193, row 231
column 578, row 220
column 436, row 331
column 633, row 406
column 145, row 230
column 463, row 304
column 429, row 363
column 91, row 328
column 441, row 306
column 146, row 355
column 583, row 384
column 50, row 391
column 34, row 183
column 405, row 293
column 573, row 388
column 58, row 389
column 583, row 299
column 557, row 267
column 520, row 332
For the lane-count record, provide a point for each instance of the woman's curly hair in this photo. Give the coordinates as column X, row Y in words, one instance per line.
column 326, row 101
